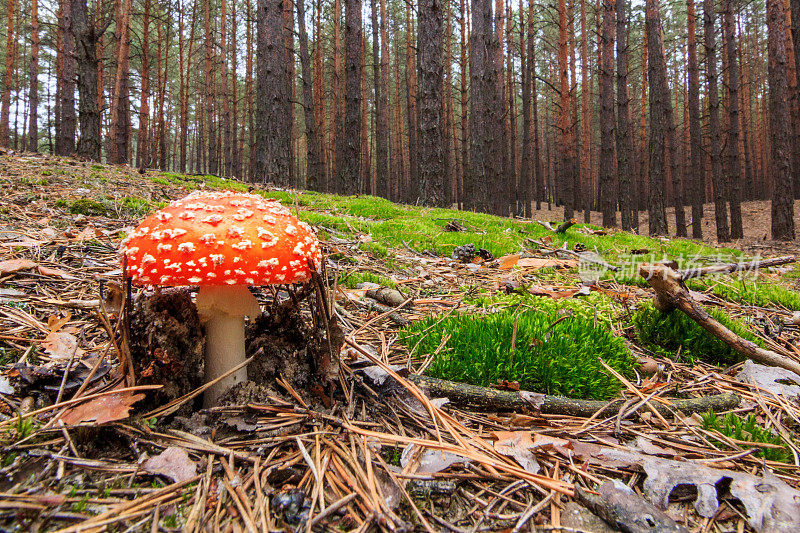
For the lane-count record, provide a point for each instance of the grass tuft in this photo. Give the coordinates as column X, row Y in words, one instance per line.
column 556, row 350
column 749, row 430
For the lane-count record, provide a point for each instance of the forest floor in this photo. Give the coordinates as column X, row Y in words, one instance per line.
column 666, row 427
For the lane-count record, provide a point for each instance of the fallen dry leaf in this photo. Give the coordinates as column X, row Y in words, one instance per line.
column 510, row 261
column 173, row 463
column 15, row 265
column 55, row 322
column 556, row 295
column 108, row 408
column 55, row 273
column 61, row 345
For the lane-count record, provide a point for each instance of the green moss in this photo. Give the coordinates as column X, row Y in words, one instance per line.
column 138, row 207
column 677, row 336
column 352, row 279
column 749, row 292
column 88, row 207
column 749, row 430
column 556, row 349
column 159, row 181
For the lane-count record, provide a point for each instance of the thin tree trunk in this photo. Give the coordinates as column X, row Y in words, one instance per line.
column 349, row 154
column 697, row 175
column 412, row 189
column 608, row 192
column 782, row 201
column 432, row 178
column 5, row 97
column 66, row 119
column 659, row 105
column 381, row 144
column 734, row 179
column 717, row 180
column 525, row 178
column 313, row 163
column 33, row 93
column 564, row 126
column 586, row 121
column 143, row 152
column 119, row 135
column 627, row 179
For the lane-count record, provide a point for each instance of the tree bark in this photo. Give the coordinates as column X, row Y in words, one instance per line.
column 782, row 198
column 33, row 74
column 349, row 154
column 566, row 163
column 659, row 104
column 143, row 152
column 608, row 191
column 273, row 130
column 65, row 120
column 432, row 178
column 697, row 174
column 381, row 118
column 313, row 164
column 627, row 180
column 5, row 96
column 715, row 148
column 119, row 135
column 86, row 35
column 733, row 167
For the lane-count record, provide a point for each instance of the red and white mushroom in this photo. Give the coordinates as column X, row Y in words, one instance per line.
column 223, row 242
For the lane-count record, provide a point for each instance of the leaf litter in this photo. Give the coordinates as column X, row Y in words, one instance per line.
column 348, row 466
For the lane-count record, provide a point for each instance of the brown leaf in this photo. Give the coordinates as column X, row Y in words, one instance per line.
column 15, row 265
column 108, row 408
column 55, row 273
column 556, row 295
column 55, row 322
column 25, row 242
column 61, row 345
column 508, row 261
column 173, row 463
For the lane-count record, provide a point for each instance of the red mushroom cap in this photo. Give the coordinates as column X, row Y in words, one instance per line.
column 222, row 238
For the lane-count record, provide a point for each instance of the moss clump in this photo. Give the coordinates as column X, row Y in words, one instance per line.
column 676, row 335
column 556, row 350
column 750, row 292
column 749, row 430
column 352, row 279
column 88, row 207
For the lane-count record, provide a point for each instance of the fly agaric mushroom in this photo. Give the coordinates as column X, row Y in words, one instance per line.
column 222, row 242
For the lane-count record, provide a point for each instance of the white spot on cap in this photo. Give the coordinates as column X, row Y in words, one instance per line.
column 195, row 279
column 217, row 259
column 186, row 215
column 243, row 245
column 163, row 216
column 269, row 219
column 267, row 263
column 208, row 238
column 212, row 219
column 186, row 247
column 231, row 281
column 164, row 247
column 290, row 229
column 235, row 231
column 148, row 259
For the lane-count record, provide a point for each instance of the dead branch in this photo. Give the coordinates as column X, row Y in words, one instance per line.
column 621, row 507
column 473, row 395
column 730, row 268
column 672, row 293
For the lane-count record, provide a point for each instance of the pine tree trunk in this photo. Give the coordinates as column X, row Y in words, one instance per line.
column 696, row 177
column 119, row 136
column 381, row 137
column 313, row 164
column 525, row 178
column 411, row 190
column 782, row 201
column 795, row 116
column 273, row 129
column 733, row 167
column 464, row 175
column 349, row 154
column 608, row 192
column 565, row 145
column 659, row 105
column 5, row 96
column 537, row 168
column 85, row 35
column 143, row 152
column 586, row 121
column 66, row 121
column 627, row 180
column 33, row 74
column 717, row 180
column 432, row 177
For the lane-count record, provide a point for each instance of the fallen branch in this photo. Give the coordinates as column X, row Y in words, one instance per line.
column 621, row 507
column 671, row 293
column 473, row 395
column 566, row 225
column 730, row 268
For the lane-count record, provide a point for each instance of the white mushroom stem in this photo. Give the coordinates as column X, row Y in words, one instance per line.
column 222, row 310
